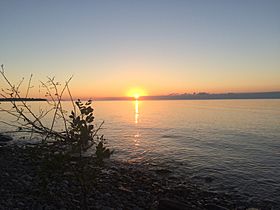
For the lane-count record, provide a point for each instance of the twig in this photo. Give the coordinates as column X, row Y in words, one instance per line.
column 29, row 86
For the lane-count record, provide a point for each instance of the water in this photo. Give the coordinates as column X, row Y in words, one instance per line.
column 235, row 142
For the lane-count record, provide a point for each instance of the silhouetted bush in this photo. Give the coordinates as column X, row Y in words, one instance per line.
column 59, row 151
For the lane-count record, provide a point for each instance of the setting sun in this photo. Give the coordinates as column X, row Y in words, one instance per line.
column 136, row 93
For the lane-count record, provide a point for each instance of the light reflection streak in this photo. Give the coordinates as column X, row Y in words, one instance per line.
column 136, row 120
column 136, row 112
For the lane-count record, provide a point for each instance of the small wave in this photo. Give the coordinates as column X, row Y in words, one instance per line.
column 171, row 136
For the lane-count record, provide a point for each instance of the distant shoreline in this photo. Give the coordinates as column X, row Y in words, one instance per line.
column 195, row 96
column 200, row 96
column 23, row 99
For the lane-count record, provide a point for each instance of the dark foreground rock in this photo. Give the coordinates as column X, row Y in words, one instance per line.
column 116, row 186
column 4, row 139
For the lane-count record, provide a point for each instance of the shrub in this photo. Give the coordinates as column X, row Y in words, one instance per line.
column 58, row 149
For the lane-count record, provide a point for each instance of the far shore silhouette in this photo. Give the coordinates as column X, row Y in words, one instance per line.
column 201, row 96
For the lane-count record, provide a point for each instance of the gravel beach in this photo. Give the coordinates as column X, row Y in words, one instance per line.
column 117, row 185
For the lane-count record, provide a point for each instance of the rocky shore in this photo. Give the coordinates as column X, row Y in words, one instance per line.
column 117, row 185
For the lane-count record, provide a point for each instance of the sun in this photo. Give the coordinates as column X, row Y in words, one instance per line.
column 136, row 93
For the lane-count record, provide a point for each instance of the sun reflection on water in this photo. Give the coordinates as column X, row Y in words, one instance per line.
column 136, row 120
column 136, row 112
column 136, row 139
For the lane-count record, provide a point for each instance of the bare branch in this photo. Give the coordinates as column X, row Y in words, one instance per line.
column 29, row 86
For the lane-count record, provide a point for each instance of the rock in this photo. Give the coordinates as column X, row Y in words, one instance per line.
column 20, row 204
column 106, row 208
column 208, row 179
column 215, row 207
column 49, row 207
column 124, row 189
column 108, row 195
column 252, row 209
column 37, row 206
column 173, row 178
column 5, row 138
column 167, row 204
column 137, row 208
column 163, row 171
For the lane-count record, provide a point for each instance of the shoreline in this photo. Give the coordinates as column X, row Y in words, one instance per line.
column 117, row 185
column 21, row 99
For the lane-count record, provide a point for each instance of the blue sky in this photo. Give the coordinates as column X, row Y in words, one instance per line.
column 160, row 46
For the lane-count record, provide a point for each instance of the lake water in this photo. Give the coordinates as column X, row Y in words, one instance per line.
column 234, row 142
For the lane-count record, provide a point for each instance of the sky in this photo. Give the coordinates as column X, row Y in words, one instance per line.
column 155, row 47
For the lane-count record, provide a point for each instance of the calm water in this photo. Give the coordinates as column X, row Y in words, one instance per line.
column 235, row 142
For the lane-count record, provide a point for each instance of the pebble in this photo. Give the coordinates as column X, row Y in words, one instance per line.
column 215, row 207
column 5, row 138
column 106, row 208
column 167, row 204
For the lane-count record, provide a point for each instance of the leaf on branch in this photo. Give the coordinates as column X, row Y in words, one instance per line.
column 88, row 102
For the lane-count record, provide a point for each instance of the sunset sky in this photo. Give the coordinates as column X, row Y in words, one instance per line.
column 156, row 47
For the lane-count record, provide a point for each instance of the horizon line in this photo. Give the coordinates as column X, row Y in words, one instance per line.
column 176, row 96
column 197, row 96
